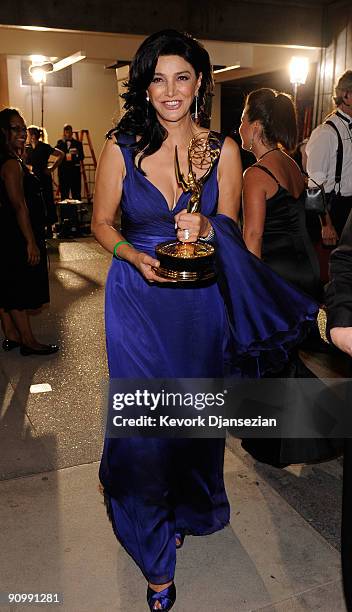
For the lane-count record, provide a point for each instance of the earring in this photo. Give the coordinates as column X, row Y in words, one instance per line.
column 147, row 97
column 251, row 143
column 196, row 109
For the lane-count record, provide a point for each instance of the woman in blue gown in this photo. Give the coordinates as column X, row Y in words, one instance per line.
column 159, row 490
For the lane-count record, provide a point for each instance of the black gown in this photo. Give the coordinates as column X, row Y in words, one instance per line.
column 22, row 286
column 286, row 246
column 38, row 158
column 287, row 249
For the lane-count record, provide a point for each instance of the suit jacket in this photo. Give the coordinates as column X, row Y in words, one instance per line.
column 76, row 157
column 339, row 289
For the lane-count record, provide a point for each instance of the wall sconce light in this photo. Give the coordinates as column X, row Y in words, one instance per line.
column 299, row 67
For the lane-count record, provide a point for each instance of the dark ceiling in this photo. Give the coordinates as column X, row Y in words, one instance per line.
column 258, row 21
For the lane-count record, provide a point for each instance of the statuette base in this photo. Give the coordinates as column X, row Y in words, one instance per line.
column 190, row 261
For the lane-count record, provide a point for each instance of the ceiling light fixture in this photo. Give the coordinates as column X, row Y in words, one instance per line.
column 68, row 61
column 238, row 65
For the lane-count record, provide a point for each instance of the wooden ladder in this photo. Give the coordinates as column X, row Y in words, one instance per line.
column 89, row 164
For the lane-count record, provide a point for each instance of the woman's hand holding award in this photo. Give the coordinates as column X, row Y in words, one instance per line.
column 191, row 261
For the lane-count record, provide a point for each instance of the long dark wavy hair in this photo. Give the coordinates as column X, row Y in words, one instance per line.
column 276, row 112
column 5, row 121
column 140, row 117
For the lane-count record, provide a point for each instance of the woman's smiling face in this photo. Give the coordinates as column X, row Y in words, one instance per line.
column 16, row 133
column 173, row 88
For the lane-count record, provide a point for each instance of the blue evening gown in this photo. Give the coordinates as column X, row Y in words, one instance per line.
column 242, row 325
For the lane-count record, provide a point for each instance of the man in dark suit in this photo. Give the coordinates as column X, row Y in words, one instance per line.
column 70, row 169
column 339, row 329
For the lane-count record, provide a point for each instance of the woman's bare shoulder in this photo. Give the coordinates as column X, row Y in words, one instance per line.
column 111, row 156
column 230, row 152
column 253, row 173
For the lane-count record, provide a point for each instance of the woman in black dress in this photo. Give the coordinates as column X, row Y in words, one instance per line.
column 23, row 262
column 273, row 206
column 37, row 154
column 275, row 231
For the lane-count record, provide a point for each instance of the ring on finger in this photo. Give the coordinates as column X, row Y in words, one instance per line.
column 186, row 234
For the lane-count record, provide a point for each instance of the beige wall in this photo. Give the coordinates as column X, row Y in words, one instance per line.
column 215, row 123
column 267, row 58
column 335, row 59
column 104, row 47
column 4, row 88
column 90, row 104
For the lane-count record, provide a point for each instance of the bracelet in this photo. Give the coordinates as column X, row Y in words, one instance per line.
column 209, row 237
column 117, row 245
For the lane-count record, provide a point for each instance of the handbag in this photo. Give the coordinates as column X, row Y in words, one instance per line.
column 315, row 199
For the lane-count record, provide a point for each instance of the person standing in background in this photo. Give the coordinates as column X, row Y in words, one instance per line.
column 70, row 169
column 323, row 160
column 275, row 231
column 273, row 191
column 23, row 260
column 37, row 154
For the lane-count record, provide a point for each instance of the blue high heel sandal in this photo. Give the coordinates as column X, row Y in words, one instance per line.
column 181, row 538
column 166, row 598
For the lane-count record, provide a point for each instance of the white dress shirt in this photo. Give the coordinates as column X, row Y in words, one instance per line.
column 321, row 153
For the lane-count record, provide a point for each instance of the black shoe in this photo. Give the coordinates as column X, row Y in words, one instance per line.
column 8, row 345
column 48, row 350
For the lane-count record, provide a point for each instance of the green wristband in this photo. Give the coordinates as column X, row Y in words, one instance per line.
column 117, row 245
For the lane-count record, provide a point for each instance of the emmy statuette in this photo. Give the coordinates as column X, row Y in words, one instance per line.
column 191, row 261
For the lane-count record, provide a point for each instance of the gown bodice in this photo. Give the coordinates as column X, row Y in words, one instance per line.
column 146, row 218
column 284, row 215
column 284, row 223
